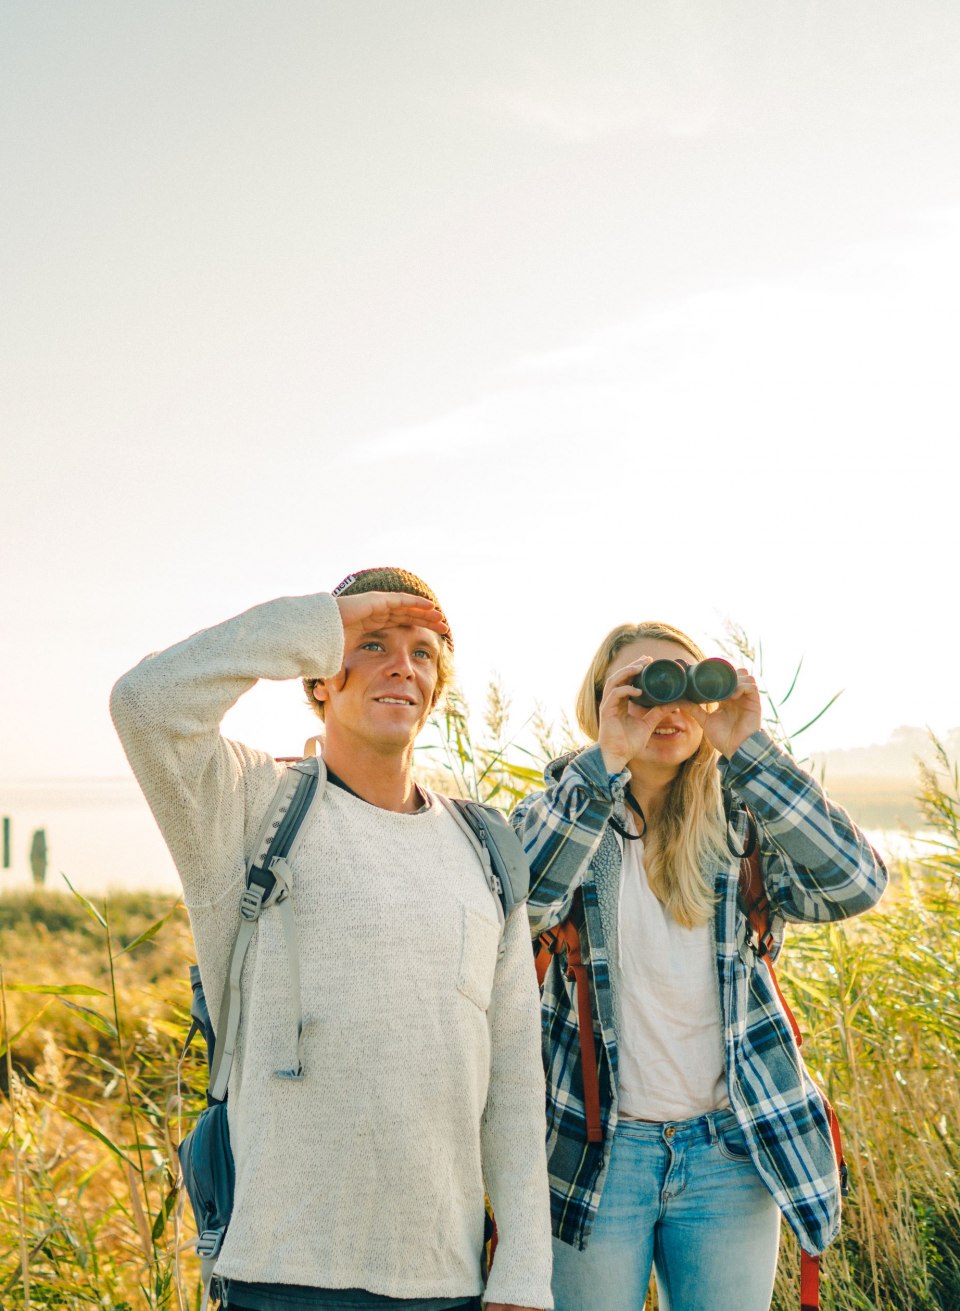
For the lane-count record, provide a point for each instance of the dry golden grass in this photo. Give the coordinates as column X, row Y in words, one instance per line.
column 89, row 1084
column 87, row 1115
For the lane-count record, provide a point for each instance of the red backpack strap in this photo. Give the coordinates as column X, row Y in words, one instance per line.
column 837, row 1145
column 755, row 902
column 756, row 905
column 809, row 1282
column 562, row 938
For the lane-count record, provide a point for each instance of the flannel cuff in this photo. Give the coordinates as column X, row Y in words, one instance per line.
column 603, row 785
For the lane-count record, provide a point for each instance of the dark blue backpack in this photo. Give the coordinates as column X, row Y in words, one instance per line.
column 206, row 1160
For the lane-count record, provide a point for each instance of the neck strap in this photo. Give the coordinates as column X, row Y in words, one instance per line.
column 634, row 805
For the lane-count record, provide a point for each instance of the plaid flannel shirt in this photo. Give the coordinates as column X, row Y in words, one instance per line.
column 817, row 866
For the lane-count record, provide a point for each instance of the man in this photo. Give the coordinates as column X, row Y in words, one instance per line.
column 361, row 1183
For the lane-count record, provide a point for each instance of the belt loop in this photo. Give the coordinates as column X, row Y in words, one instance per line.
column 711, row 1118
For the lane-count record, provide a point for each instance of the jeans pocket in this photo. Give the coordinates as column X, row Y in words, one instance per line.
column 731, row 1140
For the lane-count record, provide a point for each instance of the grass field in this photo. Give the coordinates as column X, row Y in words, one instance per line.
column 95, row 1005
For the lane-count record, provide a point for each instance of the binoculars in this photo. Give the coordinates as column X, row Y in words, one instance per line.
column 664, row 681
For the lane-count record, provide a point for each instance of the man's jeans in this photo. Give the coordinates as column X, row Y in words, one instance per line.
column 685, row 1198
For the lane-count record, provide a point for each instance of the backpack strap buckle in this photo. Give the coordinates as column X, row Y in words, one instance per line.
column 251, row 903
column 209, row 1243
column 764, row 944
column 282, row 875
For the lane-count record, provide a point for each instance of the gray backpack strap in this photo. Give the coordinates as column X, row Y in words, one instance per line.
column 208, row 1266
column 267, row 884
column 498, row 847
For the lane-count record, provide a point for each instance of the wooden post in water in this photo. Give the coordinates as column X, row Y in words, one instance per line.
column 6, row 842
column 38, row 857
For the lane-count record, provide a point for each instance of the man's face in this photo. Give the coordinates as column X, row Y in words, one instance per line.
column 383, row 694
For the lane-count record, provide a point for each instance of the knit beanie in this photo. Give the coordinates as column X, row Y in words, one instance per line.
column 386, row 579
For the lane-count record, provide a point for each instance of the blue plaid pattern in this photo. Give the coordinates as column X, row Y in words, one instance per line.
column 817, row 866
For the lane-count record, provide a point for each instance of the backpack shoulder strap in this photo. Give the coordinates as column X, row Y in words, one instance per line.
column 563, row 941
column 754, row 901
column 267, row 884
column 295, row 793
column 751, row 893
column 498, row 847
column 756, row 906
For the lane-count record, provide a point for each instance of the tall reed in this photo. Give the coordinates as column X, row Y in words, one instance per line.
column 877, row 998
column 89, row 1108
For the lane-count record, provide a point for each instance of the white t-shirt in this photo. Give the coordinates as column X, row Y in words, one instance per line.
column 671, row 1044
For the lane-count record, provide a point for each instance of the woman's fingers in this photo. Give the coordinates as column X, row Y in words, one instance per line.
column 626, row 728
column 620, row 706
column 733, row 720
column 631, row 670
column 622, row 680
column 615, row 693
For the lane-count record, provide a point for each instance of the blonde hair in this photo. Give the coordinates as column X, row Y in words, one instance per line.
column 682, row 849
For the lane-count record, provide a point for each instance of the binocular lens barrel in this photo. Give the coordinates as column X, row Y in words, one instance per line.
column 711, row 680
column 662, row 681
column 665, row 681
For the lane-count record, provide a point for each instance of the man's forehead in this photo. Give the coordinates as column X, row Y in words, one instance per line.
column 415, row 631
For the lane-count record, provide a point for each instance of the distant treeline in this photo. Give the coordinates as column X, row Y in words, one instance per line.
column 877, row 803
column 894, row 759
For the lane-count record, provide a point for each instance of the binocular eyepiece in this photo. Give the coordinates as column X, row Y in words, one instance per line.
column 664, row 681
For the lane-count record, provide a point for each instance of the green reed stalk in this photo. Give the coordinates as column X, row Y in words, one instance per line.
column 15, row 1141
column 150, row 1253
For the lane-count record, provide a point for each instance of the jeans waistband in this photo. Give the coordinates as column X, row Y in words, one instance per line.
column 702, row 1128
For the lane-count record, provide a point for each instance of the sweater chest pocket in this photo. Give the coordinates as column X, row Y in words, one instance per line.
column 478, row 957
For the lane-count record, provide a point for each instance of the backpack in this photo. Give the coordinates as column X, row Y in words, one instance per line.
column 564, row 940
column 206, row 1158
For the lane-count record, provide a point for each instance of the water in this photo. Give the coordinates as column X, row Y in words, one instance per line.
column 101, row 834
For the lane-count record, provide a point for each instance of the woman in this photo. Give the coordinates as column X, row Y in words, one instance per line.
column 710, row 1125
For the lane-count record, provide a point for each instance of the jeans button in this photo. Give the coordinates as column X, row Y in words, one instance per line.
column 669, row 1131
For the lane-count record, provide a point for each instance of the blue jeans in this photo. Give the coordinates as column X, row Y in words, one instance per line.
column 685, row 1198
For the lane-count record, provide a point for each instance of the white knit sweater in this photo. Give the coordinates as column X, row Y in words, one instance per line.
column 423, row 1082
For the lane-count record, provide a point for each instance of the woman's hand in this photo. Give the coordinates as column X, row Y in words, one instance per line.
column 625, row 726
column 729, row 725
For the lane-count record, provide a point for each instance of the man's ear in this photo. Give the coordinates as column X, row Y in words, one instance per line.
column 321, row 688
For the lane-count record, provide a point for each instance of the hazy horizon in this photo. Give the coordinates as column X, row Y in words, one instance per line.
column 895, row 758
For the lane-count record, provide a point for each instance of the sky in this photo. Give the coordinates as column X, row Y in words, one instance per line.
column 585, row 313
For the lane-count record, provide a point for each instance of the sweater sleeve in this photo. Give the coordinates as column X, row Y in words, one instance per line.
column 207, row 793
column 513, row 1130
column 560, row 830
column 817, row 865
